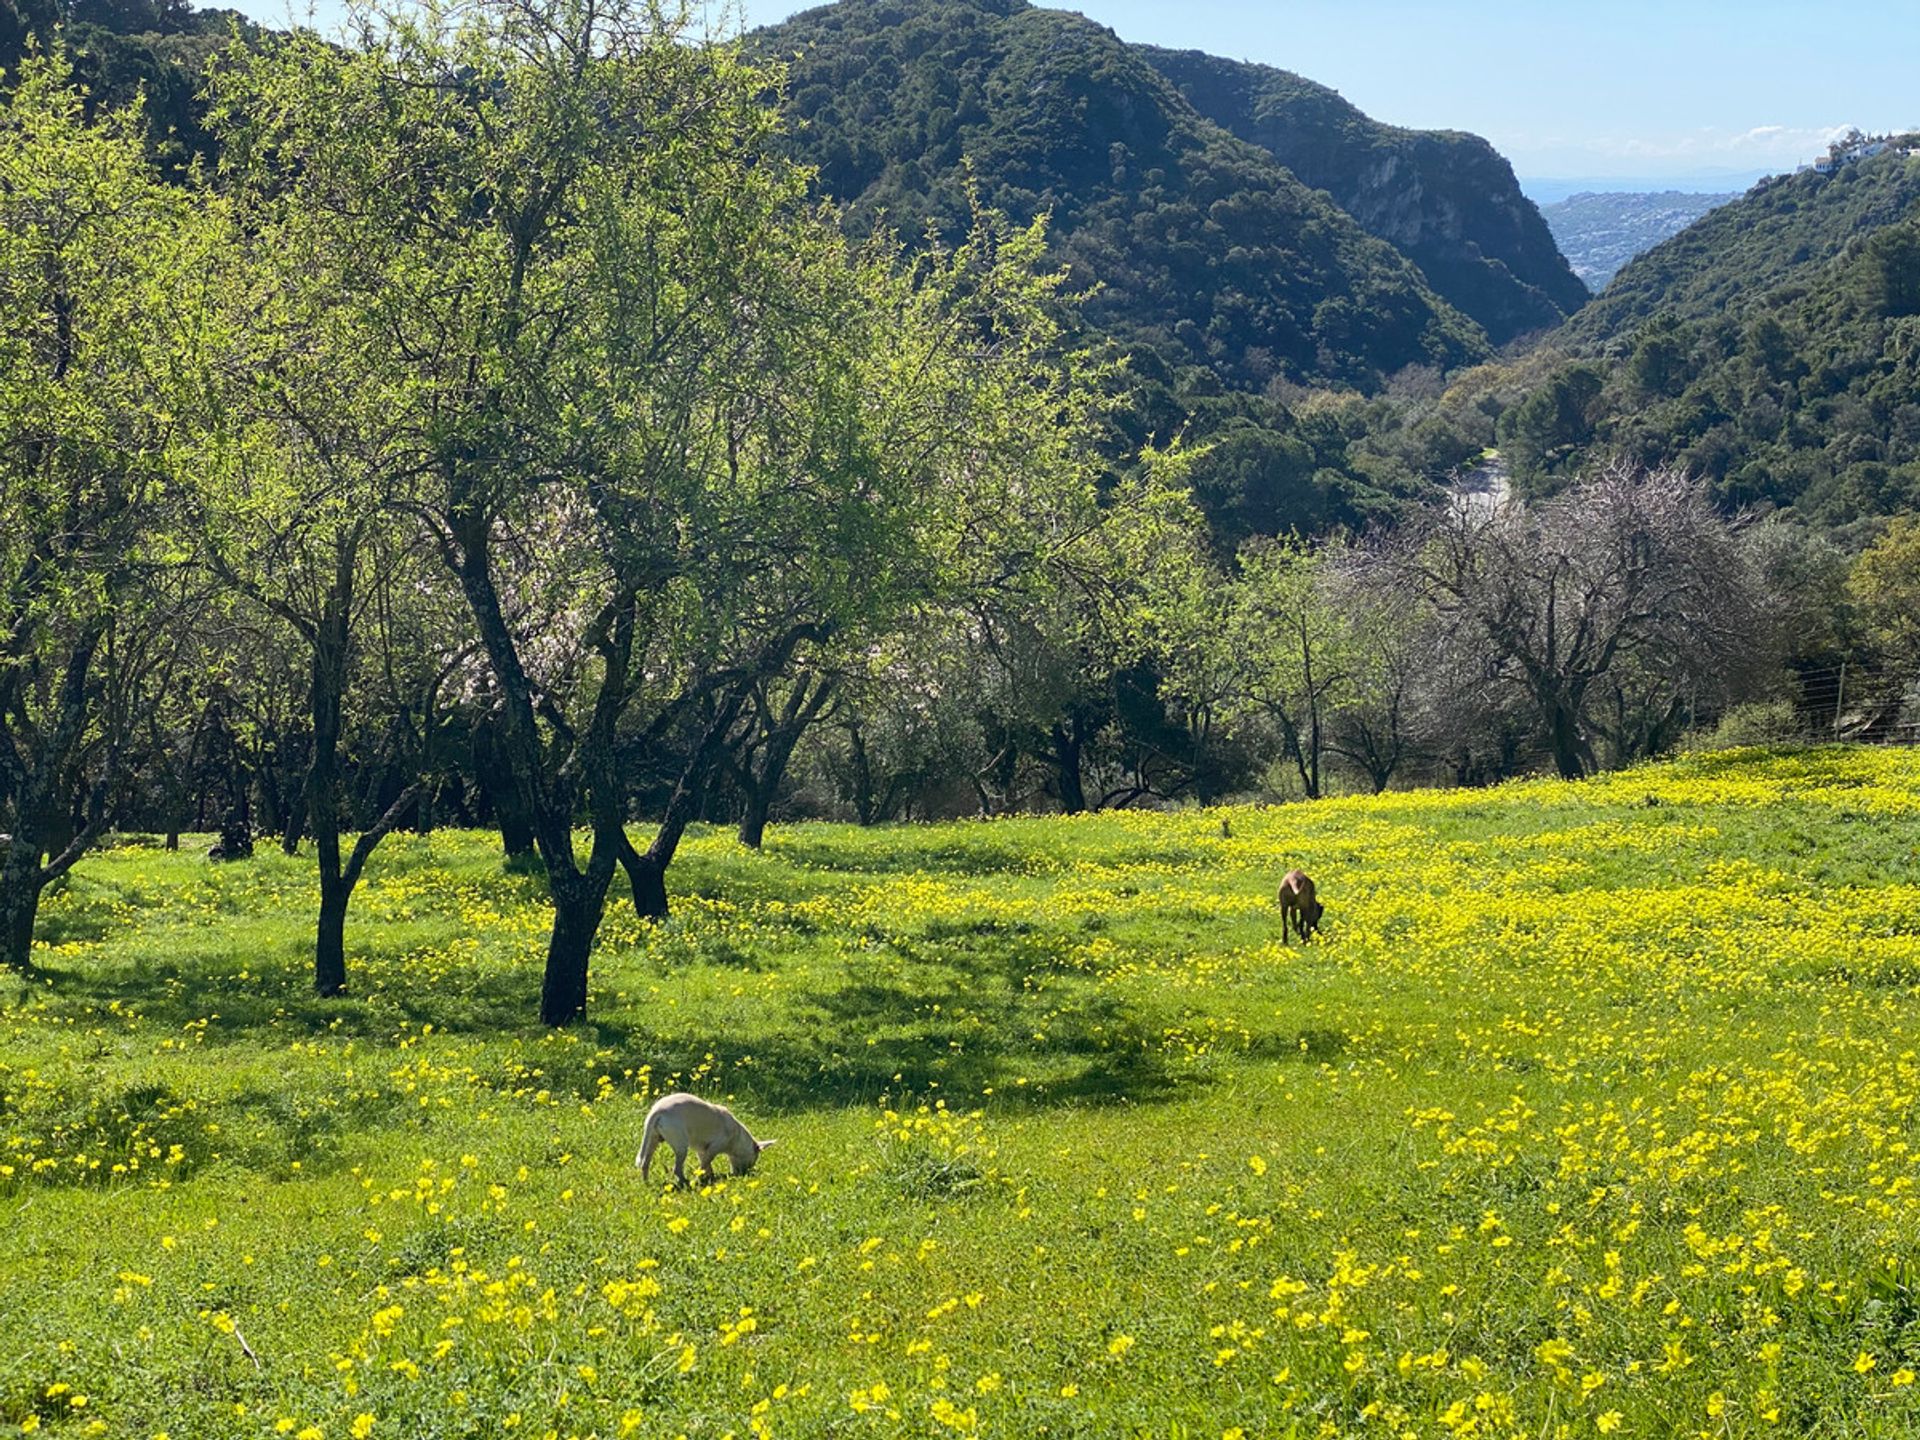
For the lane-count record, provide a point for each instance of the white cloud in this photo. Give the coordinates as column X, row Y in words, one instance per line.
column 1758, row 147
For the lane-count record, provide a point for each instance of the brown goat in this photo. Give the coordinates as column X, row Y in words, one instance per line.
column 1299, row 908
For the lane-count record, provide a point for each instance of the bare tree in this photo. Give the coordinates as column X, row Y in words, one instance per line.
column 1615, row 609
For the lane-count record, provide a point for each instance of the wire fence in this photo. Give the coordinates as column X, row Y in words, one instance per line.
column 1847, row 701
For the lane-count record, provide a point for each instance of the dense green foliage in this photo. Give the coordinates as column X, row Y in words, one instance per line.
column 542, row 400
column 1202, row 246
column 1772, row 348
column 1782, row 234
column 1446, row 200
column 121, row 49
column 1587, row 1110
column 1209, row 266
column 103, row 277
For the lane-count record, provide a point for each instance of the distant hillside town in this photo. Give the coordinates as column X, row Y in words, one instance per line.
column 1600, row 231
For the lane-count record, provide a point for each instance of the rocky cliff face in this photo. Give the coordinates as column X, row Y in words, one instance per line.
column 1445, row 199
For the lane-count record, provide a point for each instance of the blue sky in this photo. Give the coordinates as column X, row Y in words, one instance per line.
column 1647, row 90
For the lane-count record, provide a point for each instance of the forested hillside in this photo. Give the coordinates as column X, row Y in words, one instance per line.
column 1202, row 246
column 124, row 48
column 1445, row 199
column 1783, row 230
column 1773, row 348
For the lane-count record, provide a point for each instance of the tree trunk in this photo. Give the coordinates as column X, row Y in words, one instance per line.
column 579, row 896
column 18, row 910
column 270, row 802
column 1066, row 760
column 173, row 801
column 1568, row 752
column 804, row 702
column 296, row 824
column 327, row 684
column 862, row 785
column 19, row 903
column 761, row 789
column 337, row 884
column 647, row 873
column 493, row 774
column 454, row 796
column 44, row 823
column 576, row 920
column 57, row 831
column 1310, row 754
column 330, row 938
column 236, row 814
column 753, row 819
column 332, row 640
column 1315, row 751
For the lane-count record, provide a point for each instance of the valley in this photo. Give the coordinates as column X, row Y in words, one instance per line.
column 1600, row 231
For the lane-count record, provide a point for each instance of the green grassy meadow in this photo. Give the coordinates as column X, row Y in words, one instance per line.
column 1592, row 1111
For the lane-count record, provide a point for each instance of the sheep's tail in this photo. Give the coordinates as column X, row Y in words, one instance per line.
column 649, row 1142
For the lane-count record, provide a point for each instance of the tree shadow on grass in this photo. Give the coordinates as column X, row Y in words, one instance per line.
column 945, row 1025
column 59, row 927
column 873, row 1036
column 254, row 973
column 960, row 1008
column 278, row 999
column 909, row 850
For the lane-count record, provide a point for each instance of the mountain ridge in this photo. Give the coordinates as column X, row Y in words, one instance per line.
column 1447, row 199
column 1784, row 225
column 1203, row 245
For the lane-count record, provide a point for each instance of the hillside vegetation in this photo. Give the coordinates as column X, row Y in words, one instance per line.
column 1445, row 199
column 1784, row 231
column 1770, row 347
column 1202, row 246
column 156, row 50
column 1587, row 1113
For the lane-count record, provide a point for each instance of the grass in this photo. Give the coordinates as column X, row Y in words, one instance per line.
column 1593, row 1111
